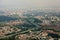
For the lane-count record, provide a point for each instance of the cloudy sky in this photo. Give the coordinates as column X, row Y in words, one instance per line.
column 30, row 3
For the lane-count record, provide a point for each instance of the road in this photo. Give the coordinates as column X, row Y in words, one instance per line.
column 23, row 31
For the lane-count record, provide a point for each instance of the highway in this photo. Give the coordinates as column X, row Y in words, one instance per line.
column 22, row 31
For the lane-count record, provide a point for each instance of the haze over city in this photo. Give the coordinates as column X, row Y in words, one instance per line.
column 29, row 19
column 54, row 4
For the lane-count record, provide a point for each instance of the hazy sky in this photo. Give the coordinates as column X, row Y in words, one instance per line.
column 30, row 3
